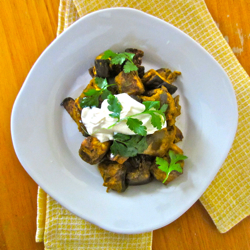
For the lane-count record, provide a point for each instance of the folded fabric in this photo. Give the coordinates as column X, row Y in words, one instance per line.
column 227, row 199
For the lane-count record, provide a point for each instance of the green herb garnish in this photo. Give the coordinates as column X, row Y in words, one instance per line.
column 128, row 145
column 114, row 106
column 152, row 108
column 120, row 58
column 168, row 168
column 92, row 95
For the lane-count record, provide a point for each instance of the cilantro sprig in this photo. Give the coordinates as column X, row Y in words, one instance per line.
column 128, row 145
column 92, row 95
column 168, row 168
column 120, row 58
column 114, row 106
column 152, row 108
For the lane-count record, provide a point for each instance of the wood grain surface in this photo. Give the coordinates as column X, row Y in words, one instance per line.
column 26, row 29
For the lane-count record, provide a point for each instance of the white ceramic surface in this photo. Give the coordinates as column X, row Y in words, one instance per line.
column 46, row 140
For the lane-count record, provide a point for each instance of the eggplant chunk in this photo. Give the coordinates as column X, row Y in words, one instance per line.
column 137, row 59
column 92, row 72
column 113, row 175
column 160, row 141
column 160, row 175
column 102, row 67
column 138, row 172
column 153, row 80
column 71, row 107
column 178, row 135
column 129, row 83
column 118, row 158
column 164, row 72
column 92, row 150
column 141, row 71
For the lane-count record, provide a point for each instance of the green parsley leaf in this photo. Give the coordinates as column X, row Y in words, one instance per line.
column 156, row 120
column 92, row 95
column 136, row 126
column 164, row 108
column 91, row 92
column 102, row 83
column 168, row 168
column 129, row 66
column 114, row 106
column 128, row 145
column 120, row 58
column 108, row 54
column 105, row 94
column 151, row 104
column 89, row 102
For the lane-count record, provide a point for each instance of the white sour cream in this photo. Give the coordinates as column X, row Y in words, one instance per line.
column 97, row 120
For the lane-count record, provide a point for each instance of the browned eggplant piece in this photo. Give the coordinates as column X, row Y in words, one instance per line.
column 102, row 67
column 92, row 71
column 113, row 175
column 173, row 76
column 164, row 72
column 118, row 158
column 178, row 135
column 137, row 59
column 138, row 172
column 91, row 85
column 160, row 141
column 160, row 175
column 129, row 83
column 141, row 71
column 70, row 106
column 153, row 80
column 92, row 150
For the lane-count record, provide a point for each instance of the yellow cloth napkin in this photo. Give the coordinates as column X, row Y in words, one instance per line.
column 227, row 199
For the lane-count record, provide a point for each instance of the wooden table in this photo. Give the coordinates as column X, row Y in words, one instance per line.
column 26, row 29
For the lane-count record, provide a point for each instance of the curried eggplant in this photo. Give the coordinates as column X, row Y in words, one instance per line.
column 102, row 67
column 138, row 172
column 71, row 107
column 153, row 80
column 92, row 150
column 118, row 158
column 137, row 59
column 160, row 141
column 178, row 135
column 113, row 175
column 129, row 83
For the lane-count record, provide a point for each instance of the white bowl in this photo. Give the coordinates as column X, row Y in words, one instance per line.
column 46, row 139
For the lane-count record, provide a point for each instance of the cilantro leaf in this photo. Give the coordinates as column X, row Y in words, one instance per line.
column 105, row 94
column 156, row 120
column 91, row 92
column 128, row 145
column 136, row 126
column 118, row 59
column 102, row 83
column 114, row 106
column 130, row 56
column 168, row 168
column 92, row 95
column 129, row 66
column 108, row 54
column 151, row 104
column 89, row 102
column 164, row 108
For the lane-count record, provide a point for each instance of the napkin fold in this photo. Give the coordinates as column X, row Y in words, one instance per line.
column 227, row 199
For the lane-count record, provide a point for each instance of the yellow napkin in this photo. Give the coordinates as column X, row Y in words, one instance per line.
column 227, row 199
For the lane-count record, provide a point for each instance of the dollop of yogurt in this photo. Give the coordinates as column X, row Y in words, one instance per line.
column 97, row 120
